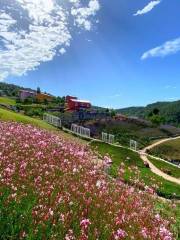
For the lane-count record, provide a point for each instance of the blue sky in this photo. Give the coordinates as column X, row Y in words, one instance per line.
column 112, row 57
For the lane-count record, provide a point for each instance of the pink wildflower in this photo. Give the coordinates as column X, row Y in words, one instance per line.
column 85, row 223
column 120, row 234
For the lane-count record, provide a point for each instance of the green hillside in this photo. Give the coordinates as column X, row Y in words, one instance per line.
column 6, row 115
column 8, row 101
column 169, row 110
column 169, row 150
column 131, row 159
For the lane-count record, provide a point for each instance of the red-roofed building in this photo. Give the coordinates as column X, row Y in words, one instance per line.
column 74, row 104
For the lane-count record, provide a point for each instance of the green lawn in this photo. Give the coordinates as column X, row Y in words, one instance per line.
column 130, row 158
column 166, row 167
column 6, row 115
column 169, row 150
column 8, row 101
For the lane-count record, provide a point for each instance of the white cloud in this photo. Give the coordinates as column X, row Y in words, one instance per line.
column 62, row 51
column 117, row 95
column 147, row 8
column 48, row 32
column 169, row 47
column 81, row 14
column 170, row 87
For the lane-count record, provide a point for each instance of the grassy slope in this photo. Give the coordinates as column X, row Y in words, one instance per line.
column 169, row 150
column 8, row 101
column 174, row 171
column 6, row 115
column 130, row 158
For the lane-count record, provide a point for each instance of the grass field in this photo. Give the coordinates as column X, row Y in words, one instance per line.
column 8, row 101
column 169, row 150
column 6, row 115
column 129, row 158
column 166, row 167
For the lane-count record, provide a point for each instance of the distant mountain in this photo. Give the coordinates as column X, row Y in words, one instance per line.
column 169, row 110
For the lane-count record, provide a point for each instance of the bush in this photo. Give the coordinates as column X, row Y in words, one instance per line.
column 37, row 112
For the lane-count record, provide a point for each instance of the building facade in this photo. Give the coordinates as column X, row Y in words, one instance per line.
column 24, row 94
column 74, row 104
column 41, row 97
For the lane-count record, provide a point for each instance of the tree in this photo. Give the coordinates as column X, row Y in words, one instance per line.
column 45, row 101
column 156, row 111
column 38, row 90
column 157, row 119
column 113, row 113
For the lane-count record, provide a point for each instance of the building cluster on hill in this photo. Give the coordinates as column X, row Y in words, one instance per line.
column 40, row 97
column 71, row 103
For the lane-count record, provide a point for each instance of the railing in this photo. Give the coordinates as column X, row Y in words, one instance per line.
column 108, row 138
column 53, row 120
column 82, row 131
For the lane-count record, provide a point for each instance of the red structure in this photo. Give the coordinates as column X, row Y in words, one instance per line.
column 74, row 104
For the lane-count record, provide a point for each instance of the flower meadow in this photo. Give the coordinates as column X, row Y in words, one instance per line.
column 51, row 188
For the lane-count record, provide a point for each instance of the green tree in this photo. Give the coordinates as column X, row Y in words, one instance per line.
column 38, row 90
column 113, row 113
column 156, row 111
column 157, row 120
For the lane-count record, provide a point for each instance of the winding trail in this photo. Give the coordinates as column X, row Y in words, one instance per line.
column 154, row 169
column 159, row 142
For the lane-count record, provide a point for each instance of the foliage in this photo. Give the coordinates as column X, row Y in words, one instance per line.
column 169, row 110
column 29, row 100
column 34, row 112
column 51, row 189
column 112, row 113
column 38, row 90
column 157, row 119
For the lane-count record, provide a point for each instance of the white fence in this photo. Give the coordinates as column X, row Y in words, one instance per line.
column 53, row 120
column 108, row 138
column 133, row 145
column 82, row 131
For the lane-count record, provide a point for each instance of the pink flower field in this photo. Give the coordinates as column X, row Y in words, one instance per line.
column 50, row 188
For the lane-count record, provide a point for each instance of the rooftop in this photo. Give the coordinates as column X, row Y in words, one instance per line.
column 80, row 101
column 23, row 90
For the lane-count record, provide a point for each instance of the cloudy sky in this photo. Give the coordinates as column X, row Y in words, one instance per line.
column 115, row 53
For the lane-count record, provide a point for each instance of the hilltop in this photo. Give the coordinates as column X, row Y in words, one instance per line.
column 11, row 90
column 169, row 110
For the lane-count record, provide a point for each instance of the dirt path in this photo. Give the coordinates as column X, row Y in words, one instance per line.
column 153, row 168
column 159, row 142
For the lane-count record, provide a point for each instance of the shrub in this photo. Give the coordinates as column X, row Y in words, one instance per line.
column 38, row 112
